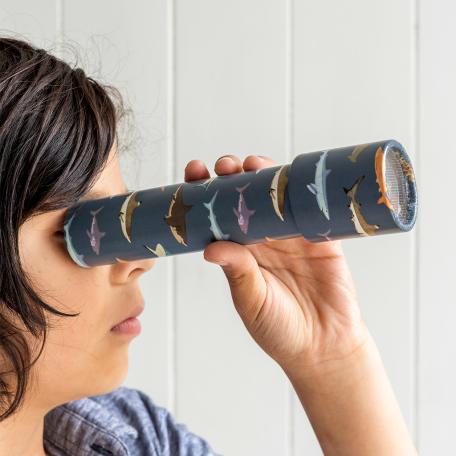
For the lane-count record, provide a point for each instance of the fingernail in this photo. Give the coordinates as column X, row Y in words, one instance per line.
column 224, row 157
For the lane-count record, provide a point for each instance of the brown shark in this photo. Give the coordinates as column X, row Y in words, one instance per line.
column 160, row 251
column 277, row 190
column 361, row 225
column 126, row 214
column 176, row 216
column 356, row 151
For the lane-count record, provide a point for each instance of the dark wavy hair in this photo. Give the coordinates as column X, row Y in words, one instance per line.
column 57, row 127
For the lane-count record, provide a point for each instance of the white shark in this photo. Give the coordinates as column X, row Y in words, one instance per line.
column 71, row 250
column 318, row 188
column 215, row 228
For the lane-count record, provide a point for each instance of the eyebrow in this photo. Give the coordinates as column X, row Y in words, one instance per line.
column 98, row 194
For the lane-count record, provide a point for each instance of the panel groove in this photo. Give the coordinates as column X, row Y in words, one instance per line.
column 416, row 231
column 289, row 151
column 172, row 174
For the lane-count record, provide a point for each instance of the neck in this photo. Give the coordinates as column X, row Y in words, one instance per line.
column 22, row 433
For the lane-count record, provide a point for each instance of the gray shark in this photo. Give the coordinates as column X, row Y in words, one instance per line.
column 318, row 188
column 95, row 234
column 243, row 213
column 215, row 228
column 70, row 247
column 326, row 235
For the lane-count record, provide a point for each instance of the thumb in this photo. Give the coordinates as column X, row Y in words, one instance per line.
column 247, row 284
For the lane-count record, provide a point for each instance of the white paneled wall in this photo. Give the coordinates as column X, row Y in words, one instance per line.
column 436, row 252
column 353, row 83
column 279, row 77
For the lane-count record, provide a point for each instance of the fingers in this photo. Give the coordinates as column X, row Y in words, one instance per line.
column 226, row 164
column 252, row 162
column 195, row 170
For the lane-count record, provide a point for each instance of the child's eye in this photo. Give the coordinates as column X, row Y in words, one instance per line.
column 60, row 232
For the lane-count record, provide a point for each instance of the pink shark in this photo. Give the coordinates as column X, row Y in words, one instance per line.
column 243, row 213
column 95, row 234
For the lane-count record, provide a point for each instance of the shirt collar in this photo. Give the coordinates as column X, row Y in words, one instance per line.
column 87, row 425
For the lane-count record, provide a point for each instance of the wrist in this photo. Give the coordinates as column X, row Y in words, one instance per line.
column 330, row 371
column 351, row 405
column 353, row 353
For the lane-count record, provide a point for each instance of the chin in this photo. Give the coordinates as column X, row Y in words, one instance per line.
column 107, row 379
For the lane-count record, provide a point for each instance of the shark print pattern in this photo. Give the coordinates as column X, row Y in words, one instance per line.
column 277, row 191
column 243, row 213
column 214, row 227
column 159, row 250
column 95, row 234
column 206, row 183
column 176, row 216
column 381, row 179
column 77, row 258
column 361, row 225
column 326, row 235
column 318, row 188
column 126, row 214
column 356, row 151
column 329, row 194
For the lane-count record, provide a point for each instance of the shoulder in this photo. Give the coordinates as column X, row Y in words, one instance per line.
column 123, row 421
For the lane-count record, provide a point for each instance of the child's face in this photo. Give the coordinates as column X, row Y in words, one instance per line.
column 81, row 357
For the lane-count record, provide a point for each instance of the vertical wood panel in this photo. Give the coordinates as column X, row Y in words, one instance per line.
column 230, row 89
column 125, row 44
column 437, row 311
column 354, row 84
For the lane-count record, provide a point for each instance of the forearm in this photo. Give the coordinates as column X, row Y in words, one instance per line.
column 351, row 406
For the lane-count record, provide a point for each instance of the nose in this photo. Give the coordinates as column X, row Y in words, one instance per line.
column 127, row 271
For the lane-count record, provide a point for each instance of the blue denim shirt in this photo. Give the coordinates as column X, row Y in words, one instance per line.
column 123, row 422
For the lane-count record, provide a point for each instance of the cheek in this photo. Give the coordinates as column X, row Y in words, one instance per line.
column 81, row 357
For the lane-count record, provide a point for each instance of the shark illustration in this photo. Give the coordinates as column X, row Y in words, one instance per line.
column 79, row 259
column 176, row 216
column 126, row 214
column 277, row 190
column 206, row 183
column 95, row 234
column 326, row 235
column 361, row 225
column 120, row 260
column 381, row 179
column 160, row 251
column 215, row 228
column 318, row 188
column 243, row 213
column 356, row 151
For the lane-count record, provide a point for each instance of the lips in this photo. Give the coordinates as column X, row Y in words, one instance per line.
column 134, row 312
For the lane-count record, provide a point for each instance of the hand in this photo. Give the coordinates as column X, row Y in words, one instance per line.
column 296, row 298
